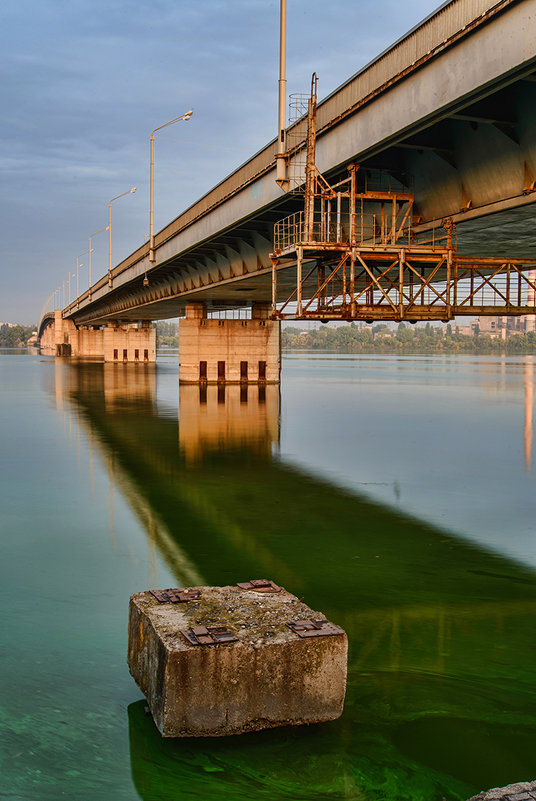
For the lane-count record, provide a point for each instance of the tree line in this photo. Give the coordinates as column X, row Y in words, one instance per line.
column 167, row 334
column 406, row 339
column 347, row 339
column 15, row 336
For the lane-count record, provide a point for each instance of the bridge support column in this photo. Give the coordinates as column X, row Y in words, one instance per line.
column 229, row 351
column 125, row 343
column 64, row 334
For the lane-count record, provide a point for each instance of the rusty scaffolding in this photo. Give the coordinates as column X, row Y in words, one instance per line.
column 355, row 252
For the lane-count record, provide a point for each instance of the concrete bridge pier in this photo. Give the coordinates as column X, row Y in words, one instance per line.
column 115, row 342
column 64, row 335
column 125, row 343
column 213, row 350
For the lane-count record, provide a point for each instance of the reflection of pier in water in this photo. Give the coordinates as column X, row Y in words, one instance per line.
column 228, row 416
column 426, row 612
column 499, row 385
column 529, row 406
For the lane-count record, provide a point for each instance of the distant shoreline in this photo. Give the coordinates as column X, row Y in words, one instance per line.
column 406, row 340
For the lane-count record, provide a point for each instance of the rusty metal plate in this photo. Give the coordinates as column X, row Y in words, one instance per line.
column 208, row 635
column 176, row 596
column 314, row 628
column 259, row 585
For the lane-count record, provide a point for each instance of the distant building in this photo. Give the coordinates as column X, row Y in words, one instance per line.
column 464, row 330
column 504, row 326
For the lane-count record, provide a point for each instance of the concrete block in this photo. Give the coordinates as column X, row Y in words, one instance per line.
column 523, row 791
column 261, row 676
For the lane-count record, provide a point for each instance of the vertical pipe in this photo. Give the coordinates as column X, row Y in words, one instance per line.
column 310, row 169
column 351, row 205
column 449, row 266
column 274, row 286
column 281, row 155
column 352, row 279
column 151, row 204
column 455, row 287
column 281, row 148
column 110, row 243
column 299, row 254
column 401, row 284
column 338, row 216
column 344, row 283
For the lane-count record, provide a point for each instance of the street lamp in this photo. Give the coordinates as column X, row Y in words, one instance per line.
column 69, row 284
column 185, row 116
column 78, row 265
column 90, row 251
column 130, row 191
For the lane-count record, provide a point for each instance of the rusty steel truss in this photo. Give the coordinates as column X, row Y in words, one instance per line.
column 357, row 251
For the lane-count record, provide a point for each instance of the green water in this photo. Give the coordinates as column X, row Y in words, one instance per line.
column 394, row 494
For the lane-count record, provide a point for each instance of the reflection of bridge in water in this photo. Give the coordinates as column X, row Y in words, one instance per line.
column 440, row 631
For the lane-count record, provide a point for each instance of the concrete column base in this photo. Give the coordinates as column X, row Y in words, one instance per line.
column 123, row 344
column 115, row 343
column 64, row 333
column 216, row 351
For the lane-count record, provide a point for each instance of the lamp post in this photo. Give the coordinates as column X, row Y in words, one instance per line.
column 90, row 251
column 69, row 284
column 78, row 265
column 130, row 191
column 185, row 116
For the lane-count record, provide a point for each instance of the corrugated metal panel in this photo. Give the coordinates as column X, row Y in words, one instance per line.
column 450, row 19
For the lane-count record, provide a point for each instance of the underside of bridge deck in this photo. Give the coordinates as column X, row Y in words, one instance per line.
column 475, row 164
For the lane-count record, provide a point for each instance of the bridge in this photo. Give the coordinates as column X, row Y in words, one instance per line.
column 406, row 194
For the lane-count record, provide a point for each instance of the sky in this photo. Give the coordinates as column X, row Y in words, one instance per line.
column 84, row 82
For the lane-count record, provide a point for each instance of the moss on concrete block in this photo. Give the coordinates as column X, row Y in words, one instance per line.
column 269, row 676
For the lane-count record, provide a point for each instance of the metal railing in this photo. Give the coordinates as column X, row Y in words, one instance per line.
column 362, row 229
